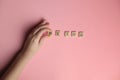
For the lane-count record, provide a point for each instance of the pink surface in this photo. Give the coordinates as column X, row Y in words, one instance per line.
column 96, row 56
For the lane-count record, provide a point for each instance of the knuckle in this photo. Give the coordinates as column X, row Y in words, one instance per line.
column 35, row 38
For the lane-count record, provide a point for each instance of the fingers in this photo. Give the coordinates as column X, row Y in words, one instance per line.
column 39, row 34
column 40, row 27
column 41, row 40
column 39, row 31
column 43, row 21
column 42, row 24
column 37, row 25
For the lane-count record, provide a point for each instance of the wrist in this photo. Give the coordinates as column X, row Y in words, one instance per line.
column 27, row 54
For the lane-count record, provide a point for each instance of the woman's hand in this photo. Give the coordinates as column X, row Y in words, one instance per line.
column 31, row 46
column 36, row 37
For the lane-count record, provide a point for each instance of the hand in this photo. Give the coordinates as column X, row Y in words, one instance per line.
column 31, row 46
column 36, row 37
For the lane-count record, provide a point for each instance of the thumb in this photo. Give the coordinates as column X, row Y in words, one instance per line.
column 42, row 40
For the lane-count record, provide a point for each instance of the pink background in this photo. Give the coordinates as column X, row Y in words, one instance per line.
column 96, row 56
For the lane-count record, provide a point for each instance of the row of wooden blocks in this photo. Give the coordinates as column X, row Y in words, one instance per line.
column 68, row 33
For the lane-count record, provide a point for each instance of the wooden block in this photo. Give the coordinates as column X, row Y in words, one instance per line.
column 80, row 34
column 49, row 34
column 73, row 33
column 66, row 33
column 57, row 33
